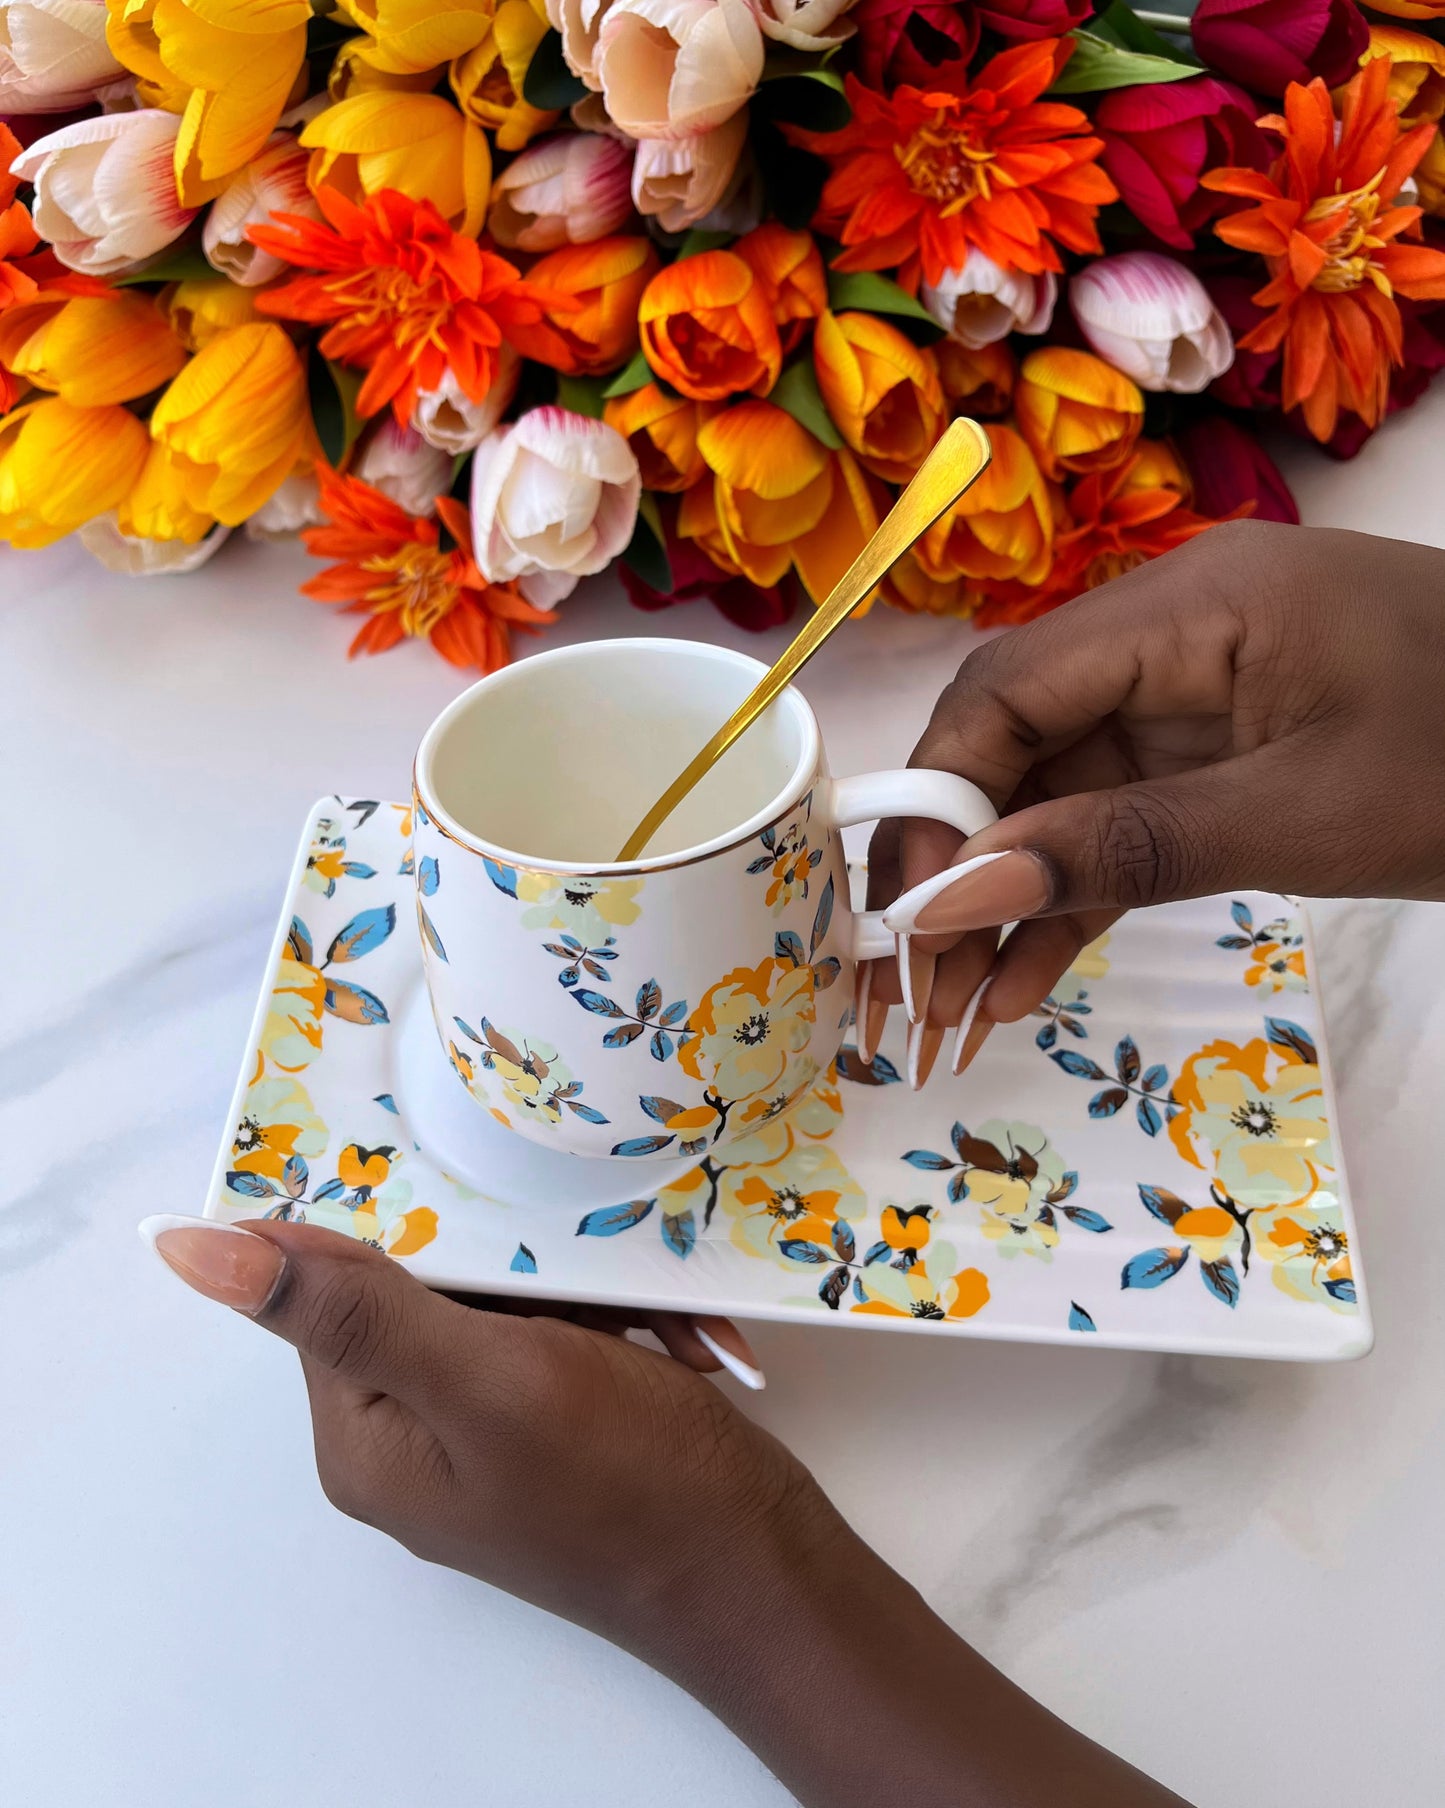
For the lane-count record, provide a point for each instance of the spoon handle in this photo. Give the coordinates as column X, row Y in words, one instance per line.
column 960, row 457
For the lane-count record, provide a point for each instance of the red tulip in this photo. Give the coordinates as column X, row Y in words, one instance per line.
column 1161, row 137
column 1253, row 380
column 921, row 42
column 1034, row 18
column 1230, row 467
column 694, row 575
column 1267, row 44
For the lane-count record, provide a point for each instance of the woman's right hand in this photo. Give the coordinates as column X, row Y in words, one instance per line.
column 1263, row 708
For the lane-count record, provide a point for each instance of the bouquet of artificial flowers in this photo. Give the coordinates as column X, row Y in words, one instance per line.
column 480, row 296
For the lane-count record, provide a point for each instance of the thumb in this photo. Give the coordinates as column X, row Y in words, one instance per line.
column 1206, row 830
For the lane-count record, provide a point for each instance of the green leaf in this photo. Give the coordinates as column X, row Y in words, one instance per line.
column 181, row 262
column 812, row 98
column 646, row 552
column 1097, row 64
column 633, row 375
column 582, row 395
column 1120, row 24
column 549, row 83
column 698, row 240
column 871, row 293
column 796, row 391
column 332, row 391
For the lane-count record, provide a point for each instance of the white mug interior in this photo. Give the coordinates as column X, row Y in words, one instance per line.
column 554, row 760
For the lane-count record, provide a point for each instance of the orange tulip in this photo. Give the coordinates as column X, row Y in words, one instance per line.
column 707, row 328
column 789, row 267
column 662, row 432
column 1001, row 528
column 592, row 325
column 982, row 381
column 1417, row 71
column 772, row 481
column 94, row 349
column 882, row 391
column 1156, row 466
column 825, row 551
column 1078, row 413
column 909, row 588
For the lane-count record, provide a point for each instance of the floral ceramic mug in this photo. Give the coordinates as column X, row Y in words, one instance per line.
column 659, row 1008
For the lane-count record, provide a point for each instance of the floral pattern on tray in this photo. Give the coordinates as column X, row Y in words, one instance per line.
column 1105, row 1170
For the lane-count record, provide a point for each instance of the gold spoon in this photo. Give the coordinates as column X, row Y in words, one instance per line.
column 958, row 460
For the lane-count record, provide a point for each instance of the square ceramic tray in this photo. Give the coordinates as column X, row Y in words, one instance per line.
column 1147, row 1163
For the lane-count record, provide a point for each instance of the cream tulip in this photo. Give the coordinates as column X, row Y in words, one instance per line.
column 566, row 190
column 397, row 461
column 53, row 55
column 554, row 498
column 446, row 417
column 805, row 24
column 673, row 68
column 105, row 189
column 1152, row 319
column 578, row 22
column 981, row 303
column 678, row 181
column 274, row 183
column 295, row 505
column 135, row 557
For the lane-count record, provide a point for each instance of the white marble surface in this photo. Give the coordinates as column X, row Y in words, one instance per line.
column 1230, row 1572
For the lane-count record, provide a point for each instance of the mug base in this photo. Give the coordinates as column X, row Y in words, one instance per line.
column 506, row 1169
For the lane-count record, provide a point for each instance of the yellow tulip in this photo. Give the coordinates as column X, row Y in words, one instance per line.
column 882, row 391
column 772, row 481
column 908, row 587
column 404, row 37
column 487, row 81
column 206, row 305
column 156, row 508
column 1417, row 71
column 353, row 72
column 1002, row 527
column 99, row 348
column 416, row 143
column 1078, row 413
column 61, row 465
column 235, row 65
column 236, row 421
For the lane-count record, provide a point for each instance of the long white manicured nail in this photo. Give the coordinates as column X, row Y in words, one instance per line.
column 924, row 1042
column 915, row 975
column 862, row 994
column 903, row 913
column 966, row 1044
column 150, row 1228
column 736, row 1365
column 225, row 1262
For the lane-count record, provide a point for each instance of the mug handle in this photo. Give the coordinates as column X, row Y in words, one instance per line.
column 914, row 791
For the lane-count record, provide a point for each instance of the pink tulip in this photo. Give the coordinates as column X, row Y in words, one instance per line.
column 981, row 303
column 53, row 55
column 1034, row 18
column 1267, row 44
column 566, row 190
column 673, row 68
column 397, row 461
column 1159, row 139
column 1152, row 319
column 105, row 189
column 446, row 417
column 274, row 182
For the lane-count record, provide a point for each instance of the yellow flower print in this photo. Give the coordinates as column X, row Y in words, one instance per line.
column 1276, row 967
column 327, row 861
column 903, row 1288
column 277, row 1122
column 532, row 1076
column 1254, row 1117
column 1092, row 962
column 589, row 909
column 291, row 1034
column 369, row 1200
column 748, row 1028
column 1017, row 1179
column 796, row 1200
column 1211, row 1232
column 1309, row 1251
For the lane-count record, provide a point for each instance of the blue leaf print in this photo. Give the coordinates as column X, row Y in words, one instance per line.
column 798, row 1249
column 1147, row 1113
column 958, row 1186
column 524, row 1262
column 833, row 1286
column 1106, row 1103
column 428, row 875
column 825, row 972
column 250, row 1186
column 843, row 1240
column 354, row 869
column 1160, row 1203
column 428, row 929
column 1126, row 1060
column 622, row 1035
column 466, row 1029
column 1221, row 1280
column 1153, row 1267
column 595, row 1002
column 1047, row 1036
column 641, row 1145
column 927, row 1160
column 354, row 1004
column 1234, row 942
column 295, row 1175
column 1155, row 1077
column 659, row 1109
column 408, row 864
column 503, row 877
column 1080, row 1066
column 761, row 864
column 333, row 1189
column 1242, row 915
column 587, row 1113
column 1289, row 1035
column 649, row 999
column 1342, row 1290
column 878, row 1252
column 679, row 1232
column 661, row 1045
column 363, row 934
column 387, row 1103
column 1079, row 1319
column 788, row 946
column 880, row 1071
column 674, row 1014
column 298, row 940
column 614, row 1218
column 823, row 918
column 1084, row 1218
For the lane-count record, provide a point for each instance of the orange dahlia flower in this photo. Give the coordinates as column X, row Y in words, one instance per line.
column 1325, row 222
column 707, row 328
column 596, row 330
column 917, row 173
column 394, row 570
column 402, row 295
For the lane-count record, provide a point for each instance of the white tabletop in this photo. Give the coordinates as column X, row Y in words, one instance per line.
column 1231, row 1572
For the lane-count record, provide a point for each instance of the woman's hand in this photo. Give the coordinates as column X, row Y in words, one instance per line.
column 1264, row 707
column 616, row 1487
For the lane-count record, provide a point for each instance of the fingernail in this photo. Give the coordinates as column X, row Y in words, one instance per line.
column 877, row 1022
column 924, row 1042
column 862, row 1013
column 980, row 893
column 222, row 1261
column 915, row 973
column 972, row 1031
column 733, row 1351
